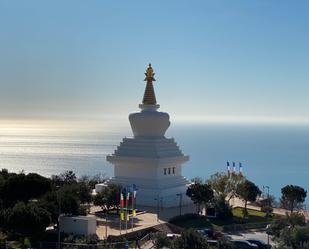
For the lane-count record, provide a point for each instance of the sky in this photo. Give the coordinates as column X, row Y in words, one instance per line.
column 237, row 60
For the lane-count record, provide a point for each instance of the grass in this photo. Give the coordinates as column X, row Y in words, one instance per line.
column 199, row 222
column 238, row 212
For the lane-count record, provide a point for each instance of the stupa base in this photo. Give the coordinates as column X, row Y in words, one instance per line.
column 151, row 193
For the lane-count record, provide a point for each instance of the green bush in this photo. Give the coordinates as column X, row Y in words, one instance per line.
column 223, row 209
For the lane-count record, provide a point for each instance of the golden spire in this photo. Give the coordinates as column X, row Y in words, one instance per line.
column 149, row 74
column 149, row 95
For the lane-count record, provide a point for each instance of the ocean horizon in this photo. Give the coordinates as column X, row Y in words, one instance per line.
column 272, row 155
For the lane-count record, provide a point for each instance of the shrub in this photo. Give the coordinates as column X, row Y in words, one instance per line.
column 223, row 209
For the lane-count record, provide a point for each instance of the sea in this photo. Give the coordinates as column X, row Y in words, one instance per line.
column 272, row 155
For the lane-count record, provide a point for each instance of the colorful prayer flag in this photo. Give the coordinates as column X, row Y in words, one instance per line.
column 121, row 200
column 240, row 170
column 228, row 169
column 128, row 198
column 234, row 169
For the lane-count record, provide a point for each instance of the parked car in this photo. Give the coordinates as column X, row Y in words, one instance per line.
column 212, row 242
column 209, row 233
column 268, row 230
column 261, row 244
column 244, row 244
column 173, row 235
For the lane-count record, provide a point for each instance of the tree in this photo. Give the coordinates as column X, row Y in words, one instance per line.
column 267, row 205
column 247, row 191
column 68, row 198
column 109, row 197
column 162, row 241
column 190, row 239
column 219, row 183
column 224, row 185
column 69, row 201
column 27, row 219
column 292, row 196
column 294, row 237
column 84, row 192
column 32, row 186
column 200, row 193
column 222, row 207
column 91, row 181
column 287, row 221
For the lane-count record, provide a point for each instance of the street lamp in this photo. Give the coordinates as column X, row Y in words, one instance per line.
column 267, row 210
column 159, row 201
column 59, row 214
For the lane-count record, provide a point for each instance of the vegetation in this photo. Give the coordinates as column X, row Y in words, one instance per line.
column 20, row 187
column 190, row 239
column 247, row 191
column 291, row 231
column 108, row 198
column 200, row 194
column 162, row 241
column 224, row 185
column 222, row 207
column 199, row 222
column 30, row 202
column 25, row 214
column 292, row 197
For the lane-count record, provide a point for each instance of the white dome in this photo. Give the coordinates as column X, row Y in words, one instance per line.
column 149, row 123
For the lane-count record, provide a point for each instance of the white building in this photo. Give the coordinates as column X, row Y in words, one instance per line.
column 150, row 160
column 78, row 225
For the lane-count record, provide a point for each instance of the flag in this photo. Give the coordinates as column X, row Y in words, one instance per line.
column 128, row 198
column 134, row 190
column 122, row 215
column 228, row 169
column 121, row 200
column 234, row 169
column 240, row 170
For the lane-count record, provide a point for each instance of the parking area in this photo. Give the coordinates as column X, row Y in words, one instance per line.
column 260, row 235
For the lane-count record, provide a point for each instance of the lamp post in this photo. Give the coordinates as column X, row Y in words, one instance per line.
column 159, row 201
column 158, row 210
column 268, row 200
column 106, row 213
column 59, row 214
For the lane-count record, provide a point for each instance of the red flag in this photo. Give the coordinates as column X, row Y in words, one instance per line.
column 240, row 170
column 234, row 169
column 121, row 200
column 128, row 198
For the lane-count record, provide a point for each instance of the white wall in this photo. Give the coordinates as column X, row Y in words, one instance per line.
column 79, row 225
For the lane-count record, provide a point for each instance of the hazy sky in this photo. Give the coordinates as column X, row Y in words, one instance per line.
column 246, row 58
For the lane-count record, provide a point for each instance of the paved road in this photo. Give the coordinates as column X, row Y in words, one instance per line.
column 261, row 235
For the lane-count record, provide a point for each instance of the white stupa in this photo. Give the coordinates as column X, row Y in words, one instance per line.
column 150, row 160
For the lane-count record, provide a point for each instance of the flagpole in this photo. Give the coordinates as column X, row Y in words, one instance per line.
column 120, row 212
column 127, row 206
column 132, row 221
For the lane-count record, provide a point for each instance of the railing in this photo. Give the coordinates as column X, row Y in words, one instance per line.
column 145, row 240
